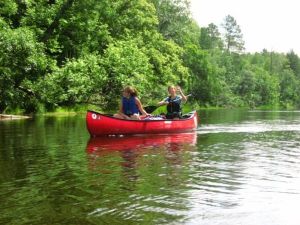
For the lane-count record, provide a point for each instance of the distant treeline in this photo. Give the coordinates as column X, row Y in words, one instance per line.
column 67, row 52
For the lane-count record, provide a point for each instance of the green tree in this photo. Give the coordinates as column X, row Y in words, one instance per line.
column 125, row 64
column 289, row 88
column 78, row 81
column 233, row 36
column 22, row 62
column 211, row 37
column 294, row 62
column 174, row 18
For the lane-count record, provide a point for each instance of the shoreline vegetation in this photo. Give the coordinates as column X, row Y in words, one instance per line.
column 73, row 111
column 62, row 53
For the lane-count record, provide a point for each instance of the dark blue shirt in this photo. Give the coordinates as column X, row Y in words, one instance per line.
column 129, row 106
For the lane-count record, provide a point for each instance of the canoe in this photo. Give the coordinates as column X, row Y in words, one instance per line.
column 100, row 124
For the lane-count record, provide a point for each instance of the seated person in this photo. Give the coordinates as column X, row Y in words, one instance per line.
column 173, row 102
column 130, row 105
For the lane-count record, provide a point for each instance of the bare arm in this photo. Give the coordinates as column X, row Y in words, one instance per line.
column 184, row 97
column 162, row 103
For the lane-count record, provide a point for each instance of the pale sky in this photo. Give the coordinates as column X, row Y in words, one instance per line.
column 270, row 24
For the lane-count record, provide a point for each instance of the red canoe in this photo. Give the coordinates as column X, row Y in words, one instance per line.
column 99, row 124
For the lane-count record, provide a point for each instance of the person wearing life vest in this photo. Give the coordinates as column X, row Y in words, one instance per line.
column 173, row 102
column 130, row 105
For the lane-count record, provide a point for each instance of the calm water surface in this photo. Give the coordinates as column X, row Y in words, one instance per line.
column 239, row 167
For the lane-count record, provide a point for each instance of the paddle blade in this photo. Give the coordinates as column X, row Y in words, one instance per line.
column 150, row 108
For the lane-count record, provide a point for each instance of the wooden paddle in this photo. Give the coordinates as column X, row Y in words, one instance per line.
column 151, row 108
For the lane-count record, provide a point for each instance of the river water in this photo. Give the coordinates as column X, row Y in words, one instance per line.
column 239, row 167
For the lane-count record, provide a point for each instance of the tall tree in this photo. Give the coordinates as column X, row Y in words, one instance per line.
column 294, row 62
column 233, row 36
column 174, row 17
column 210, row 37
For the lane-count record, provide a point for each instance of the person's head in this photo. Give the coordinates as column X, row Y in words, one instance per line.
column 172, row 90
column 129, row 91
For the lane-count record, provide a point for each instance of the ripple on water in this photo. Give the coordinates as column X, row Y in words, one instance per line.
column 251, row 127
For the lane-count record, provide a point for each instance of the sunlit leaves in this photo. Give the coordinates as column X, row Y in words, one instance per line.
column 21, row 57
column 8, row 8
column 73, row 83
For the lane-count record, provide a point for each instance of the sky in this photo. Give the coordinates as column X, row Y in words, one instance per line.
column 270, row 24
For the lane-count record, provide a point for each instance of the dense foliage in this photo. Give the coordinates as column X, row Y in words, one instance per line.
column 67, row 52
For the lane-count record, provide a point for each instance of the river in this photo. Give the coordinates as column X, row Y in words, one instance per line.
column 239, row 167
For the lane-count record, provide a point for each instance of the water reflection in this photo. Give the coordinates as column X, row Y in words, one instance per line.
column 133, row 152
column 146, row 174
column 240, row 168
column 101, row 145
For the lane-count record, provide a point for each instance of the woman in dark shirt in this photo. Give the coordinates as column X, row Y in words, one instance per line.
column 130, row 105
column 173, row 102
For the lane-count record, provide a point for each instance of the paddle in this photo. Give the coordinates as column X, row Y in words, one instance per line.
column 151, row 108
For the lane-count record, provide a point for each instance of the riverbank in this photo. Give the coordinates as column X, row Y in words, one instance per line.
column 80, row 109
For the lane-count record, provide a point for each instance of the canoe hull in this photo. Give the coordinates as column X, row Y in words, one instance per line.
column 99, row 124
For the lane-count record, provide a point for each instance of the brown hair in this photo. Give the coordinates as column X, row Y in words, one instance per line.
column 171, row 86
column 132, row 91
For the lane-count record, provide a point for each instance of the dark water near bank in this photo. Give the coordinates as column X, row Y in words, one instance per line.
column 240, row 167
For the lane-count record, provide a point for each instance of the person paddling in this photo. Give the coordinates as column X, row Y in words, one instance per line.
column 173, row 102
column 130, row 105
